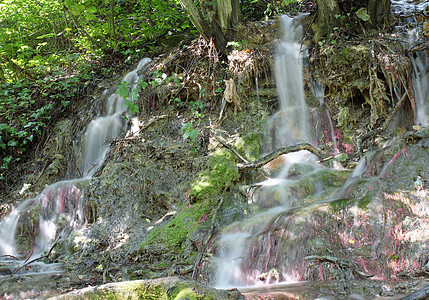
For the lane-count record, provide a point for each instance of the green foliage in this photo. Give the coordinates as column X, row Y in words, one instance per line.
column 43, row 35
column 24, row 117
column 196, row 108
column 257, row 9
column 47, row 50
column 190, row 134
column 131, row 94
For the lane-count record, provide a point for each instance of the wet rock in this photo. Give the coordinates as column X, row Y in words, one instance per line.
column 377, row 229
column 161, row 288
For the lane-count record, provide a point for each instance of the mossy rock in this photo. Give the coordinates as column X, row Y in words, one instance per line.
column 158, row 289
column 170, row 237
column 220, row 173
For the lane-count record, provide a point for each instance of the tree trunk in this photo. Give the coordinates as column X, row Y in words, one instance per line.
column 196, row 18
column 330, row 14
column 1, row 74
column 229, row 15
column 219, row 25
column 326, row 20
column 379, row 11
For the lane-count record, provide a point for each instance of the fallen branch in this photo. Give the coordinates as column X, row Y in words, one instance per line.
column 339, row 262
column 276, row 153
column 232, row 149
column 420, row 294
column 389, row 119
column 209, row 237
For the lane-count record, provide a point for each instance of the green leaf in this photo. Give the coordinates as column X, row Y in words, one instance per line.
column 186, row 126
column 363, row 14
column 12, row 143
column 123, row 89
column 133, row 107
column 191, row 134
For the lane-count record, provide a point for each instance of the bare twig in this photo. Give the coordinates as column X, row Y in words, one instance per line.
column 389, row 119
column 11, row 256
column 339, row 262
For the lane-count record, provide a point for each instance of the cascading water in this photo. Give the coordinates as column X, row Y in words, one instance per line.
column 289, row 126
column 278, row 242
column 421, row 87
column 59, row 207
column 419, row 59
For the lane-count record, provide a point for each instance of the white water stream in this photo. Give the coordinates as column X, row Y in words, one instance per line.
column 59, row 207
column 291, row 125
column 421, row 87
column 409, row 10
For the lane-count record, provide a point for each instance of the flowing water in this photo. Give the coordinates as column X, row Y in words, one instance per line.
column 269, row 246
column 409, row 12
column 421, row 87
column 59, row 207
column 261, row 250
column 289, row 126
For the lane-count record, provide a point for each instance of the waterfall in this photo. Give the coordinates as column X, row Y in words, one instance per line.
column 420, row 81
column 271, row 245
column 108, row 126
column 419, row 59
column 289, row 126
column 59, row 207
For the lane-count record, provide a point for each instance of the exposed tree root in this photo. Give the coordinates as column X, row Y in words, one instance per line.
column 345, row 263
column 276, row 153
column 389, row 119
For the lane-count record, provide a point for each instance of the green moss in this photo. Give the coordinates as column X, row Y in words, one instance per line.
column 341, row 204
column 143, row 291
column 129, row 290
column 219, row 175
column 187, row 293
column 170, row 237
column 363, row 203
column 250, row 146
column 151, row 290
